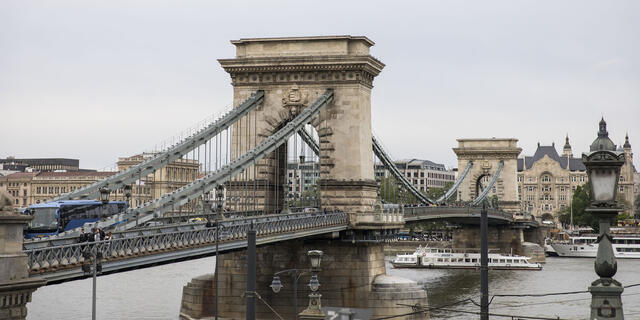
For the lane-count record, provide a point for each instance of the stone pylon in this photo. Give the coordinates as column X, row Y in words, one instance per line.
column 486, row 155
column 294, row 72
column 15, row 285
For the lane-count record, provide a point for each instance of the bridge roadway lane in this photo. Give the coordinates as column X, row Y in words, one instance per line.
column 61, row 263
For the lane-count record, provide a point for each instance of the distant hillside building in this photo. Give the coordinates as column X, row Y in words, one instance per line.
column 547, row 180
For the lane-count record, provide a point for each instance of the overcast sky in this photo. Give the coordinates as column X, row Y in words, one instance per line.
column 95, row 80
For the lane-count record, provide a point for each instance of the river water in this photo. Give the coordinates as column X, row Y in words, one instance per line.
column 155, row 293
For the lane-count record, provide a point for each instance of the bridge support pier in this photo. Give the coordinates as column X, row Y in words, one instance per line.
column 15, row 285
column 353, row 275
column 504, row 238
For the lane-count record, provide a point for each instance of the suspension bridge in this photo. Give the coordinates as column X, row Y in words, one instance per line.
column 291, row 101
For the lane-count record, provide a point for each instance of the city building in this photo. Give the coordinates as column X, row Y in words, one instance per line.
column 28, row 188
column 302, row 176
column 18, row 185
column 423, row 174
column 626, row 184
column 40, row 164
column 547, row 180
column 47, row 185
column 169, row 178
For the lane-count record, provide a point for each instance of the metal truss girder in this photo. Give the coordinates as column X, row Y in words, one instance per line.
column 382, row 155
column 455, row 186
column 207, row 183
column 309, row 140
column 176, row 151
column 486, row 190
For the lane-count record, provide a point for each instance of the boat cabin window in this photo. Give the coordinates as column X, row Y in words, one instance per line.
column 474, row 260
column 502, row 261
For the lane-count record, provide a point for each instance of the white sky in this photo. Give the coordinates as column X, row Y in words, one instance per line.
column 96, row 80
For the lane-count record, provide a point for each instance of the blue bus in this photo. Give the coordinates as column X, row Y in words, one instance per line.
column 54, row 217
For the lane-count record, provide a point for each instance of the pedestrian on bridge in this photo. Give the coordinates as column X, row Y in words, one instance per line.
column 84, row 236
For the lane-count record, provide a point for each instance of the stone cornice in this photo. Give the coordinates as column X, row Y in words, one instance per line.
column 281, row 39
column 10, row 218
column 302, row 70
column 475, row 154
column 302, row 63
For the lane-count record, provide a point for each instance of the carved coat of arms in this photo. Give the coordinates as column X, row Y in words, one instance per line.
column 486, row 166
column 294, row 100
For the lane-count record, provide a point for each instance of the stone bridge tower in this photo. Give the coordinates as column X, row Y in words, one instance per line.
column 486, row 155
column 293, row 72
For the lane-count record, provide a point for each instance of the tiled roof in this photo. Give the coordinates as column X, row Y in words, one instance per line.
column 77, row 174
column 575, row 164
column 21, row 175
column 419, row 162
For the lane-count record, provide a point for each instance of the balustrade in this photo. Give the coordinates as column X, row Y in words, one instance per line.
column 52, row 258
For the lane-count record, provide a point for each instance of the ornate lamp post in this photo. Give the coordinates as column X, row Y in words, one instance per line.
column 127, row 194
column 603, row 165
column 218, row 211
column 314, row 310
column 285, row 191
column 104, row 195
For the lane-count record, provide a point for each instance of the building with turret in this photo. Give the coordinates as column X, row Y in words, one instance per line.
column 547, row 180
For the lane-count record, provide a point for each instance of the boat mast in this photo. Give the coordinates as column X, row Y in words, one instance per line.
column 571, row 209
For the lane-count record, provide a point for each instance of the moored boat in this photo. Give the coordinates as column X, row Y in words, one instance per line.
column 624, row 246
column 437, row 258
column 549, row 251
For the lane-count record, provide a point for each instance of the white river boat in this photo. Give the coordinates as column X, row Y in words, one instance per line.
column 437, row 258
column 624, row 246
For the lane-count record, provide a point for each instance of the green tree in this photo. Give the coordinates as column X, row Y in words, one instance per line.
column 391, row 192
column 435, row 193
column 308, row 197
column 580, row 202
column 581, row 217
column 388, row 187
column 547, row 216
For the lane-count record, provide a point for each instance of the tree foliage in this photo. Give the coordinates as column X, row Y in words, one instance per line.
column 580, row 202
column 435, row 193
column 547, row 216
column 308, row 197
column 636, row 211
column 391, row 192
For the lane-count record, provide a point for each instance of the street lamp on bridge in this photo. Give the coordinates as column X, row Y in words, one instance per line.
column 218, row 210
column 603, row 165
column 314, row 310
column 104, row 195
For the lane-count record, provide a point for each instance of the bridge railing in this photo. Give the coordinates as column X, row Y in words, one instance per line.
column 46, row 259
column 412, row 213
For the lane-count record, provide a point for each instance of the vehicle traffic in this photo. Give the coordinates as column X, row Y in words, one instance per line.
column 54, row 217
